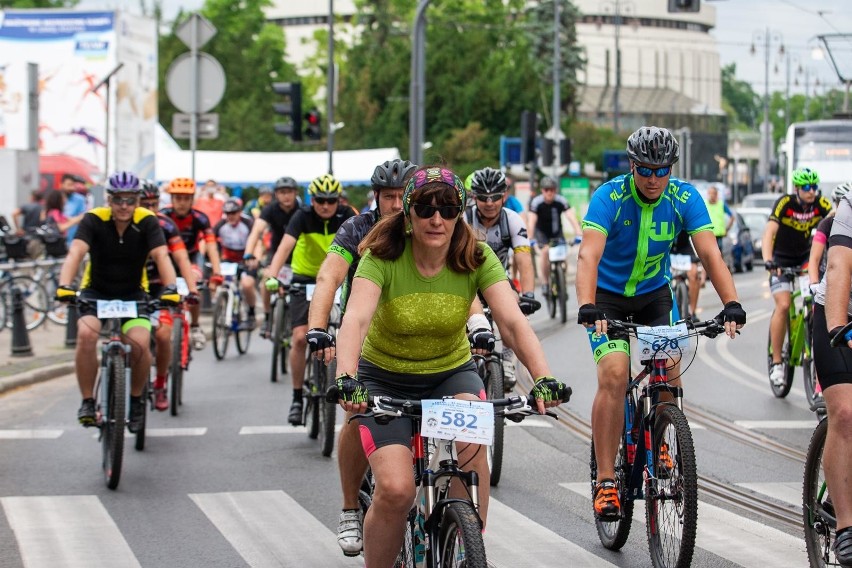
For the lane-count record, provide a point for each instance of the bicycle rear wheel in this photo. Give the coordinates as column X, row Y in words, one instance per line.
column 278, row 349
column 243, row 334
column 562, row 294
column 671, row 498
column 328, row 411
column 176, row 370
column 407, row 555
column 221, row 326
column 114, row 393
column 817, row 511
column 495, row 390
column 809, row 372
column 33, row 296
column 782, row 390
column 681, row 293
column 312, row 400
column 140, row 434
column 613, row 535
column 460, row 538
column 551, row 294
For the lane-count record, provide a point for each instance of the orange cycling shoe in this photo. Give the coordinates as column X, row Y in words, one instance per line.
column 607, row 506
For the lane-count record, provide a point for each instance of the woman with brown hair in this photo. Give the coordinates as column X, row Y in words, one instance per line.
column 405, row 319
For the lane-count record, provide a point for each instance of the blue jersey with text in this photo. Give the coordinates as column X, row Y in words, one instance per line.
column 639, row 235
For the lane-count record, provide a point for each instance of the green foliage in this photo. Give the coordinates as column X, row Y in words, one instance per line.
column 739, row 100
column 594, row 141
column 21, row 4
column 252, row 54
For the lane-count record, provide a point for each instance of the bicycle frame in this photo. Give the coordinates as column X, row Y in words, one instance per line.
column 796, row 321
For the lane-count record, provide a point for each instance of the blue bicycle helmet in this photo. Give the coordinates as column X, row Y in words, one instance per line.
column 123, row 182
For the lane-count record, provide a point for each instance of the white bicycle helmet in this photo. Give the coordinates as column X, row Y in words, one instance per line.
column 838, row 192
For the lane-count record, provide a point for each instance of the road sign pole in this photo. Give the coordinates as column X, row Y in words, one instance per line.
column 193, row 113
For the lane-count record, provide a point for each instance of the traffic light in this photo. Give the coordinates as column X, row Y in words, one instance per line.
column 314, row 128
column 684, row 5
column 546, row 152
column 565, row 151
column 291, row 108
column 529, row 121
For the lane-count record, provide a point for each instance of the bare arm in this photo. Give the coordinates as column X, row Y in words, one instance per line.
column 768, row 245
column 572, row 220
column 284, row 250
column 359, row 313
column 329, row 278
column 588, row 258
column 817, row 249
column 838, row 277
column 254, row 237
column 523, row 261
column 160, row 255
column 76, row 253
column 181, row 258
column 532, row 219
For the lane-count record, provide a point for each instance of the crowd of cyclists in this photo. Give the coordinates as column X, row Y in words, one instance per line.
column 416, row 271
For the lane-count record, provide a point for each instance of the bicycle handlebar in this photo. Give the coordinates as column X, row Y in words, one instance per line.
column 840, row 339
column 708, row 328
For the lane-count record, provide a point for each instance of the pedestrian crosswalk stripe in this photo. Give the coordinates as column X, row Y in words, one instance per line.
column 164, row 432
column 777, row 424
column 728, row 535
column 67, row 531
column 786, row 492
column 507, row 527
column 533, row 422
column 30, row 434
column 260, row 525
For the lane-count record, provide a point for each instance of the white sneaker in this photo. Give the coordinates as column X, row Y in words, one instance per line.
column 199, row 340
column 776, row 374
column 349, row 533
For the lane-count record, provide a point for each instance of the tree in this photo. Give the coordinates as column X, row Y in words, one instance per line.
column 739, row 100
column 21, row 4
column 252, row 53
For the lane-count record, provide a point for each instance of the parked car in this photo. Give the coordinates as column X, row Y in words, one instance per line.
column 762, row 200
column 755, row 218
column 742, row 246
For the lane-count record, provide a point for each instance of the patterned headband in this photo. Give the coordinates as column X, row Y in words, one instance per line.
column 424, row 176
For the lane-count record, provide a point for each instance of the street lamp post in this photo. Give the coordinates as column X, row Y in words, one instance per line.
column 767, row 37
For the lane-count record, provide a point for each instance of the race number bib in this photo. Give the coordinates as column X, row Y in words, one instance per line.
column 229, row 269
column 116, row 309
column 805, row 285
column 182, row 287
column 285, row 275
column 459, row 420
column 680, row 262
column 558, row 253
column 309, row 291
column 662, row 342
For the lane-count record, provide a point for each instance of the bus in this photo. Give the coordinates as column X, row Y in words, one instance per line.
column 822, row 145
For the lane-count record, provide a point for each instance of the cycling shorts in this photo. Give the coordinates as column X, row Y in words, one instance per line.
column 463, row 379
column 833, row 364
column 141, row 319
column 785, row 283
column 652, row 308
column 299, row 304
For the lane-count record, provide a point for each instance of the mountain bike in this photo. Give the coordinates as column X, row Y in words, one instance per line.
column 818, row 516
column 282, row 328
column 796, row 348
column 181, row 347
column 230, row 313
column 320, row 418
column 557, row 291
column 680, row 265
column 111, row 387
column 657, row 432
column 442, row 531
column 33, row 296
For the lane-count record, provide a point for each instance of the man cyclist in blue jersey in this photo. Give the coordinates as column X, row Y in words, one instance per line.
column 623, row 272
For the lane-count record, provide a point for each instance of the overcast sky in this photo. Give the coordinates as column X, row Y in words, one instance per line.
column 739, row 24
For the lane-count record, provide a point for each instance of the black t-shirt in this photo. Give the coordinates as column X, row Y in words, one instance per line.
column 549, row 220
column 346, row 242
column 277, row 219
column 795, row 223
column 117, row 263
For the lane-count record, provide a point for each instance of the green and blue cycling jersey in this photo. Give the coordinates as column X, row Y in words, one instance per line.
column 639, row 235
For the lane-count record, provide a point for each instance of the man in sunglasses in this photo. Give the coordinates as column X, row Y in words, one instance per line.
column 787, row 244
column 544, row 223
column 308, row 236
column 623, row 272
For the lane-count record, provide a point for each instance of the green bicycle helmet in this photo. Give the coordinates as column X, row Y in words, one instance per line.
column 805, row 176
column 325, row 186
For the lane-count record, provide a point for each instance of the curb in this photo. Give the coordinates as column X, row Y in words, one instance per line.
column 35, row 376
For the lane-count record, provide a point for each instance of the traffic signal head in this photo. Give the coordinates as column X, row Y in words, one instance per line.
column 676, row 6
column 313, row 128
column 291, row 108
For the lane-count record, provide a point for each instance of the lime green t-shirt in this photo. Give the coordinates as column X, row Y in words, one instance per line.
column 419, row 324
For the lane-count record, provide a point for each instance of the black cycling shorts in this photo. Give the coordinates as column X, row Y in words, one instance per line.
column 463, row 379
column 833, row 364
column 299, row 304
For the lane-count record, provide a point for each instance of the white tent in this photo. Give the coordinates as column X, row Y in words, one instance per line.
column 259, row 168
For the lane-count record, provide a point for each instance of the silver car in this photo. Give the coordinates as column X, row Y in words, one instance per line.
column 755, row 218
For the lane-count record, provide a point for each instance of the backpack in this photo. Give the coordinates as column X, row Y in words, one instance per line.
column 503, row 224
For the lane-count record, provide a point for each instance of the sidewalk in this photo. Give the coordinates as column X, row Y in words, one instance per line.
column 50, row 357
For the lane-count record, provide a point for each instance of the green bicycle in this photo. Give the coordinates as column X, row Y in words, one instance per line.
column 796, row 350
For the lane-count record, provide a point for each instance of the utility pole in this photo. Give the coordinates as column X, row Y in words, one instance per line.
column 557, row 63
column 616, row 111
column 767, row 38
column 331, row 88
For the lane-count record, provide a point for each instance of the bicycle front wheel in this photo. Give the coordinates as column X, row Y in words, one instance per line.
column 460, row 538
column 551, row 293
column 495, row 390
column 671, row 498
column 817, row 510
column 221, row 326
column 561, row 294
column 312, row 400
column 681, row 293
column 176, row 370
column 278, row 350
column 140, row 434
column 113, row 420
column 244, row 326
column 809, row 373
column 328, row 410
column 783, row 389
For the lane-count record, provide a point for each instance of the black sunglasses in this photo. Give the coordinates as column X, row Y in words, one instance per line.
column 486, row 198
column 325, row 200
column 115, row 200
column 426, row 211
column 645, row 171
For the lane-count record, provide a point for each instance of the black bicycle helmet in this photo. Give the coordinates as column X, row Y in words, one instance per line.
column 547, row 182
column 488, row 181
column 653, row 146
column 286, row 182
column 392, row 174
column 123, row 182
column 232, row 205
column 150, row 190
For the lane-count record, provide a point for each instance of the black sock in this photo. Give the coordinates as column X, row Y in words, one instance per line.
column 344, row 510
column 135, row 399
column 266, row 317
column 251, row 312
column 89, row 400
column 297, row 395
